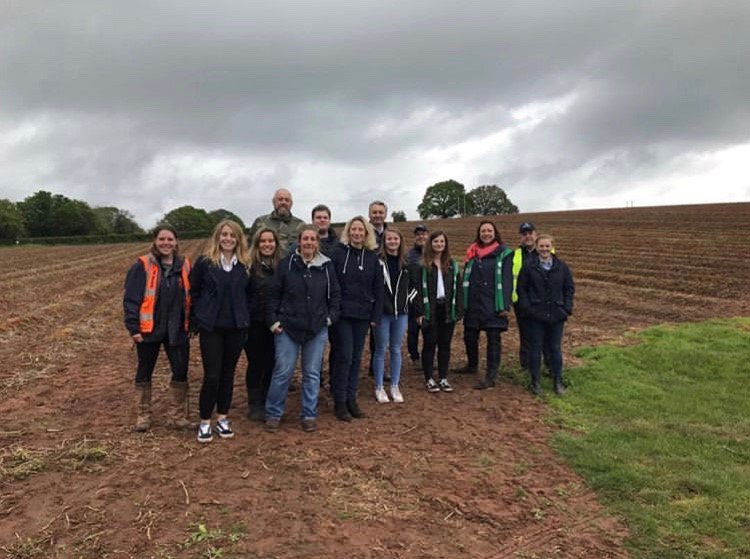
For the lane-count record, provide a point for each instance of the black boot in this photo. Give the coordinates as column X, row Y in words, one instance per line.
column 354, row 409
column 342, row 411
column 255, row 405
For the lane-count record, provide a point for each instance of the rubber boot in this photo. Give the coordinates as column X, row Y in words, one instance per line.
column 143, row 405
column 178, row 413
column 341, row 411
column 536, row 385
column 559, row 388
column 354, row 409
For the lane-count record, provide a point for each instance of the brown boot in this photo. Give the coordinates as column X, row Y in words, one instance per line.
column 178, row 411
column 143, row 405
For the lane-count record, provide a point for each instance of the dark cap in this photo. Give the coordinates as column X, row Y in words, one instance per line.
column 526, row 226
column 421, row 228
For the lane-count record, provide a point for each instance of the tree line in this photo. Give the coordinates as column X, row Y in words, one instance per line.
column 46, row 215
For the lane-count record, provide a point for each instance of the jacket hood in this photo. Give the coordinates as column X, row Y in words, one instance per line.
column 318, row 261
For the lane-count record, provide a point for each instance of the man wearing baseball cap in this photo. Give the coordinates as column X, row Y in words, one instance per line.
column 526, row 252
column 415, row 255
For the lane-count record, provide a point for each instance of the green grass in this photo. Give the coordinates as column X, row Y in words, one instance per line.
column 661, row 431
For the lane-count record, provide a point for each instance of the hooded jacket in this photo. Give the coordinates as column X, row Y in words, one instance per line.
column 546, row 295
column 396, row 298
column 361, row 280
column 304, row 298
column 488, row 289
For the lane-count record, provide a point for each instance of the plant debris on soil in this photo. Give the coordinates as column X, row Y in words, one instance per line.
column 467, row 474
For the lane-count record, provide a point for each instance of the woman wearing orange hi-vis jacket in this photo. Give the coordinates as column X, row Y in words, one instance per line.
column 157, row 308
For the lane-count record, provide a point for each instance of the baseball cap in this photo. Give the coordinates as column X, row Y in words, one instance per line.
column 420, row 228
column 526, row 226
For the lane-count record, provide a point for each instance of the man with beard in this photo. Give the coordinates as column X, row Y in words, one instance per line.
column 281, row 220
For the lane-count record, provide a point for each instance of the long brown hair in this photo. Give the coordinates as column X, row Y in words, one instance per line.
column 213, row 248
column 256, row 260
column 429, row 255
column 401, row 251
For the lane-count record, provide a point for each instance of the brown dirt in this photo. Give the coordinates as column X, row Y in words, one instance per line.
column 448, row 475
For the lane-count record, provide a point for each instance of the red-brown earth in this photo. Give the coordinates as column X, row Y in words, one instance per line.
column 468, row 474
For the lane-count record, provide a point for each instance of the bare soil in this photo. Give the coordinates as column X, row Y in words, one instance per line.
column 468, row 474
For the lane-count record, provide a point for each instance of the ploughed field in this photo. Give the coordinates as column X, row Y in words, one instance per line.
column 467, row 474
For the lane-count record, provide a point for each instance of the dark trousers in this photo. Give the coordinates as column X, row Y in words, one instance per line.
column 220, row 351
column 148, row 353
column 412, row 337
column 546, row 336
column 524, row 340
column 331, row 360
column 437, row 336
column 350, row 336
column 494, row 349
column 260, row 351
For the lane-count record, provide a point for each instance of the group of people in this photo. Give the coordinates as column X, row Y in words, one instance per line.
column 297, row 286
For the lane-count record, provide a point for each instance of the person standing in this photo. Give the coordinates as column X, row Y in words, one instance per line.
column 221, row 290
column 304, row 302
column 523, row 254
column 438, row 306
column 156, row 305
column 259, row 348
column 414, row 256
column 321, row 220
column 487, row 290
column 545, row 295
column 397, row 295
column 377, row 212
column 280, row 220
column 360, row 278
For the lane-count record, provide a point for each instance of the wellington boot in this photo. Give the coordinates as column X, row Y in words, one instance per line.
column 355, row 410
column 178, row 411
column 559, row 387
column 342, row 411
column 143, row 405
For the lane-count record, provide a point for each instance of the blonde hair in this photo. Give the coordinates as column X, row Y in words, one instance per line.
column 546, row 237
column 370, row 241
column 213, row 250
column 401, row 249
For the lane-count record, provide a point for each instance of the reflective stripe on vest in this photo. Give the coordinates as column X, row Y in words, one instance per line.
column 499, row 259
column 425, row 292
column 148, row 305
column 517, row 265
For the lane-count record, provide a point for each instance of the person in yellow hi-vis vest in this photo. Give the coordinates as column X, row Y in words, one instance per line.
column 157, row 307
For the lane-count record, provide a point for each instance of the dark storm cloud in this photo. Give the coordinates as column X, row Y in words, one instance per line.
column 359, row 83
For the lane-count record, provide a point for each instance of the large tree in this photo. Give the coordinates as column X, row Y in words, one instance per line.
column 445, row 199
column 398, row 216
column 491, row 200
column 222, row 214
column 115, row 220
column 11, row 221
column 189, row 218
column 54, row 215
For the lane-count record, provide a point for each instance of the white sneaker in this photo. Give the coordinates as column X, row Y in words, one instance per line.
column 381, row 396
column 396, row 394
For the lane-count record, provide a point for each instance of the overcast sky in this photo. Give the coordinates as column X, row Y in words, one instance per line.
column 149, row 105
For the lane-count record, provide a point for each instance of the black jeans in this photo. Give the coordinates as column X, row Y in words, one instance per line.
column 524, row 341
column 437, row 335
column 412, row 337
column 220, row 351
column 350, row 341
column 260, row 351
column 148, row 353
column 546, row 336
column 494, row 349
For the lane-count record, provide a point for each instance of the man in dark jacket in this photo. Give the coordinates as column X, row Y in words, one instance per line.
column 415, row 255
column 321, row 219
column 523, row 255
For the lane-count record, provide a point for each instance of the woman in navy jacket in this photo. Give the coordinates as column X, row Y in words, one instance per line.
column 487, row 291
column 303, row 303
column 545, row 294
column 259, row 348
column 361, row 280
column 157, row 307
column 221, row 291
column 398, row 292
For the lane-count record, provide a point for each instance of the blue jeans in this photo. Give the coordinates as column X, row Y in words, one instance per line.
column 350, row 341
column 390, row 332
column 283, row 371
column 545, row 336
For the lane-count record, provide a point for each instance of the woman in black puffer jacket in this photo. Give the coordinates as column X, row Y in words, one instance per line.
column 545, row 295
column 259, row 348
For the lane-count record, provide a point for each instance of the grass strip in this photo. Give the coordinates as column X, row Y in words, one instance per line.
column 661, row 431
